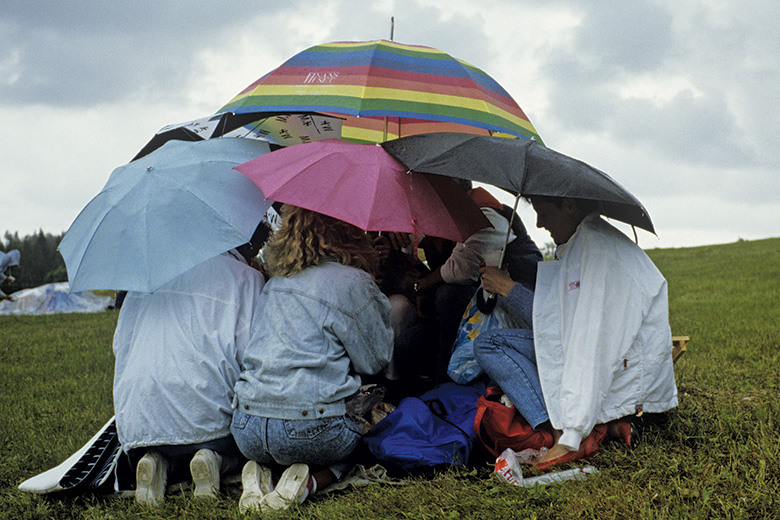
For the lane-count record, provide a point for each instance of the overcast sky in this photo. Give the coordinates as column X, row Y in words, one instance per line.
column 678, row 101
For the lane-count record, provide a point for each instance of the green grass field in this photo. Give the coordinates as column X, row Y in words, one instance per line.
column 717, row 456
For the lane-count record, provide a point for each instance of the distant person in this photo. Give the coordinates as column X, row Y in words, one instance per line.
column 320, row 324
column 7, row 261
column 601, row 347
column 178, row 353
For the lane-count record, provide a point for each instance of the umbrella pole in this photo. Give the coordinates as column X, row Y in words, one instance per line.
column 487, row 305
column 508, row 232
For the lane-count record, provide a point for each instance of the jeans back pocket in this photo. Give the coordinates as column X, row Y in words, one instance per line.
column 239, row 420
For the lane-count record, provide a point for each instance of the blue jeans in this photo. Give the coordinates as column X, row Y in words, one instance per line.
column 508, row 357
column 317, row 442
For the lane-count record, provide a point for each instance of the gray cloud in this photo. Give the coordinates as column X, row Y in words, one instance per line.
column 702, row 123
column 618, row 37
column 696, row 130
column 678, row 102
column 61, row 55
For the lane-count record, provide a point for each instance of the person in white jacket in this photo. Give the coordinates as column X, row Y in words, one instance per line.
column 601, row 337
column 178, row 356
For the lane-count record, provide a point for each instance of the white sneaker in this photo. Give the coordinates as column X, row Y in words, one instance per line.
column 205, row 467
column 151, row 477
column 256, row 481
column 289, row 490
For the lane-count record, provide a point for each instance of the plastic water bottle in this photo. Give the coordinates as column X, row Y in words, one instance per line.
column 558, row 476
column 508, row 469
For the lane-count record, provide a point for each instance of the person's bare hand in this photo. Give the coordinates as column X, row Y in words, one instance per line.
column 382, row 246
column 495, row 280
column 399, row 240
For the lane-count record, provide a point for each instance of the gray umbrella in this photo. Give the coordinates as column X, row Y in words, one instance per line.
column 520, row 166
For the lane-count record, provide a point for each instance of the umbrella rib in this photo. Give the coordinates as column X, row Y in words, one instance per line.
column 408, row 190
column 86, row 247
column 184, row 192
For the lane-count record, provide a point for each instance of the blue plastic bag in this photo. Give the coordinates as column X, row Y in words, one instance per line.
column 463, row 367
column 433, row 430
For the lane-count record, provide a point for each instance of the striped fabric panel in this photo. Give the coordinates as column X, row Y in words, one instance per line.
column 380, row 129
column 395, row 104
column 364, row 75
column 388, row 79
column 438, row 63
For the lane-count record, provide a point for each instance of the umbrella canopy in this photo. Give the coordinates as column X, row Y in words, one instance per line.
column 519, row 166
column 403, row 85
column 381, row 129
column 279, row 129
column 160, row 216
column 363, row 185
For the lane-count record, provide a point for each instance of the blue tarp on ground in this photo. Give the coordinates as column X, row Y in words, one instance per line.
column 54, row 298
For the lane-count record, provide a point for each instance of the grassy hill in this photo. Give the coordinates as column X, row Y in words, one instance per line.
column 716, row 456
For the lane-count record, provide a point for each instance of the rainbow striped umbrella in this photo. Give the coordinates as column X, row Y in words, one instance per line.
column 387, row 89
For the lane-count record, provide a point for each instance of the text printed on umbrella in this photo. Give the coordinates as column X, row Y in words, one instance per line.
column 320, row 77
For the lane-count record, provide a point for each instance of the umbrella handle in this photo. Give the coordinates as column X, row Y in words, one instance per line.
column 508, row 231
column 486, row 306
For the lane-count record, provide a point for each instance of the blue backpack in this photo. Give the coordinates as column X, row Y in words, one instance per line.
column 436, row 429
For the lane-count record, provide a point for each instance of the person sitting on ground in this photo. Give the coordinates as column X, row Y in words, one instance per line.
column 445, row 293
column 601, row 343
column 321, row 322
column 177, row 359
column 397, row 273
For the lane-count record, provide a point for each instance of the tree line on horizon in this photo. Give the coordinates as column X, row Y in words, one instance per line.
column 40, row 262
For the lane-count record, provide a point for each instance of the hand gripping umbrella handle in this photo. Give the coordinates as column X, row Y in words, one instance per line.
column 486, row 306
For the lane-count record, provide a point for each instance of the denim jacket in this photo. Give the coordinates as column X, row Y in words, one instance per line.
column 312, row 334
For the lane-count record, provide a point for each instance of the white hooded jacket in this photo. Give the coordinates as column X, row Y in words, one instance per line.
column 601, row 332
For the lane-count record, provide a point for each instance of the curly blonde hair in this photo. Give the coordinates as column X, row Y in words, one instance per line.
column 306, row 237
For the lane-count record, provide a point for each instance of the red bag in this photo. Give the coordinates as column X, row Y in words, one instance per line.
column 500, row 427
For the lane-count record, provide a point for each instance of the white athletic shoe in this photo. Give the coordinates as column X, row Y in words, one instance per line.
column 289, row 490
column 256, row 481
column 205, row 467
column 151, row 477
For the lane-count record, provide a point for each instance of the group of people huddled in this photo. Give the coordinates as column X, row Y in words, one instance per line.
column 232, row 366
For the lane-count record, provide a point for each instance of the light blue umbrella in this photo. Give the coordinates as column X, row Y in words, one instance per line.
column 161, row 215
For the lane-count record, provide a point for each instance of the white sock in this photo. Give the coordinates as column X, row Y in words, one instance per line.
column 311, row 488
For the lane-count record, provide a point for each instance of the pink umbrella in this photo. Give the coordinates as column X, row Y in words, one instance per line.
column 364, row 185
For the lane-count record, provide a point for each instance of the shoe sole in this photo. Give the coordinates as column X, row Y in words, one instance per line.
column 205, row 475
column 289, row 489
column 150, row 482
column 257, row 483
